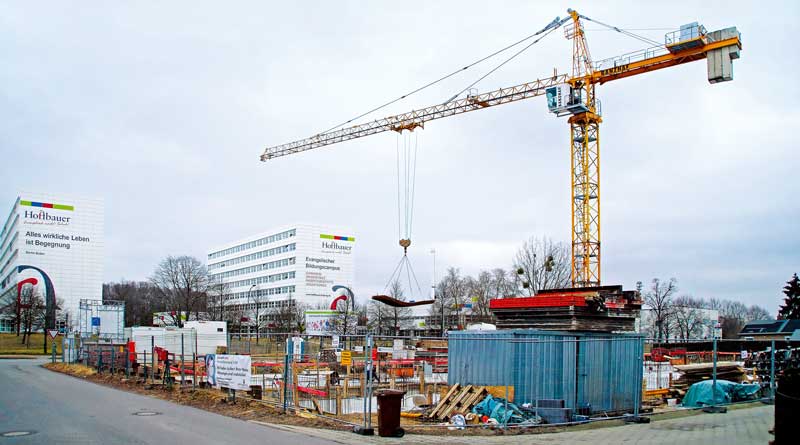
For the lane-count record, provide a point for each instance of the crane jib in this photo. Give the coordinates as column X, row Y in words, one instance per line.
column 417, row 118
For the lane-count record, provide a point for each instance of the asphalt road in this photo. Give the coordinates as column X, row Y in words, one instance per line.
column 60, row 409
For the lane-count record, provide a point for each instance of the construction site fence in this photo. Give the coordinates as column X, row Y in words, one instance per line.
column 663, row 361
column 538, row 379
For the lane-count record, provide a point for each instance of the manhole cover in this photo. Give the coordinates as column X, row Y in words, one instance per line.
column 16, row 433
column 146, row 413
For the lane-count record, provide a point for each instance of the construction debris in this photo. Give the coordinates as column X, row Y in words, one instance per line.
column 601, row 309
column 691, row 374
column 458, row 400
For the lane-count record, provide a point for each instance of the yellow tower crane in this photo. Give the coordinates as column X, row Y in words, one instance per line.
column 567, row 95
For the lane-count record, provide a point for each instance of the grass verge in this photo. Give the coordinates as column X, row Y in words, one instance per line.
column 10, row 344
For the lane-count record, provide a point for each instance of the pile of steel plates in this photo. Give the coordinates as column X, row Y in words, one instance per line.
column 600, row 309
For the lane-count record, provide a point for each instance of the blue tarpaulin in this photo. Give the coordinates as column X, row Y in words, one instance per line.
column 496, row 409
column 702, row 393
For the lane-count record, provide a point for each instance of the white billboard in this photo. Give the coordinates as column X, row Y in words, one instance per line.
column 61, row 247
column 327, row 261
column 228, row 371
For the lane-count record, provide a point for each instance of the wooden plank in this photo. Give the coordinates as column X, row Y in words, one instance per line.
column 317, row 407
column 448, row 407
column 461, row 396
column 444, row 400
column 500, row 391
column 477, row 398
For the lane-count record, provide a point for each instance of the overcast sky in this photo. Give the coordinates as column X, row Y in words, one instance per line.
column 163, row 108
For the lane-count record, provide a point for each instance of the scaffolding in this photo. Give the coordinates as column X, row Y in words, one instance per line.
column 101, row 319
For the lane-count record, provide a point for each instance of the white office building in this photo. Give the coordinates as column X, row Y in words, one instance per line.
column 299, row 262
column 52, row 244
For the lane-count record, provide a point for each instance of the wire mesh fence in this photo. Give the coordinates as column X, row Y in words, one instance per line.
column 500, row 379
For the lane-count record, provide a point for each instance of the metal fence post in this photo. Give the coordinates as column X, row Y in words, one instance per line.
column 194, row 369
column 99, row 359
column 127, row 362
column 152, row 359
column 112, row 358
column 182, row 360
column 509, row 373
column 714, row 374
column 369, row 371
column 286, row 373
column 772, row 371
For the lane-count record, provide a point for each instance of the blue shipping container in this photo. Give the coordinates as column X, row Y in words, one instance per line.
column 602, row 372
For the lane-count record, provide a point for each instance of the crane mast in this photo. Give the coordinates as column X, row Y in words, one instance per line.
column 585, row 162
column 572, row 96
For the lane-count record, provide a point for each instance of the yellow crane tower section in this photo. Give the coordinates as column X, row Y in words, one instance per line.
column 567, row 95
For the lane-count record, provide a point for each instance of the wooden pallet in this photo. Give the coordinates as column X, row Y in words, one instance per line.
column 458, row 400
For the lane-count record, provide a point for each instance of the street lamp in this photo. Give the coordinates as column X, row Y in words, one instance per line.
column 248, row 307
column 433, row 289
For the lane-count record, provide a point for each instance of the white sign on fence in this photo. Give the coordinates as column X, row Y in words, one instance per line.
column 335, row 341
column 229, row 371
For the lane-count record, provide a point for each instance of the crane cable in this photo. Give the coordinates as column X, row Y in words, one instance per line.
column 547, row 30
column 407, row 159
column 555, row 23
column 624, row 32
column 407, row 150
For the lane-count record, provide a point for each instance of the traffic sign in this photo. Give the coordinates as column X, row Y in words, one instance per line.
column 53, row 333
column 347, row 358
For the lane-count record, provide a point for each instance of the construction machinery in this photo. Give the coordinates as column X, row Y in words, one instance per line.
column 574, row 96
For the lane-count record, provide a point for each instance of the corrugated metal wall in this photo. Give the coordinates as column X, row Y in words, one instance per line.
column 603, row 371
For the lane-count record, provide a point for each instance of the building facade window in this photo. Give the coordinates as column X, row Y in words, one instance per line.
column 253, row 269
column 254, row 256
column 253, row 244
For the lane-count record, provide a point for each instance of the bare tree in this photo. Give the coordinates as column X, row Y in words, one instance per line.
column 260, row 301
column 659, row 299
column 140, row 300
column 481, row 290
column 502, row 283
column 217, row 307
column 288, row 316
column 397, row 314
column 451, row 293
column 32, row 310
column 734, row 315
column 182, row 283
column 378, row 315
column 348, row 317
column 544, row 265
column 687, row 316
column 11, row 310
column 29, row 313
column 756, row 312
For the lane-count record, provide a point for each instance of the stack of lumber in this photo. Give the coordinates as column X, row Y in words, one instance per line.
column 601, row 309
column 458, row 400
column 692, row 374
column 433, row 352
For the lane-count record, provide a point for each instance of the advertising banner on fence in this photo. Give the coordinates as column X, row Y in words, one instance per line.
column 319, row 322
column 228, row 371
